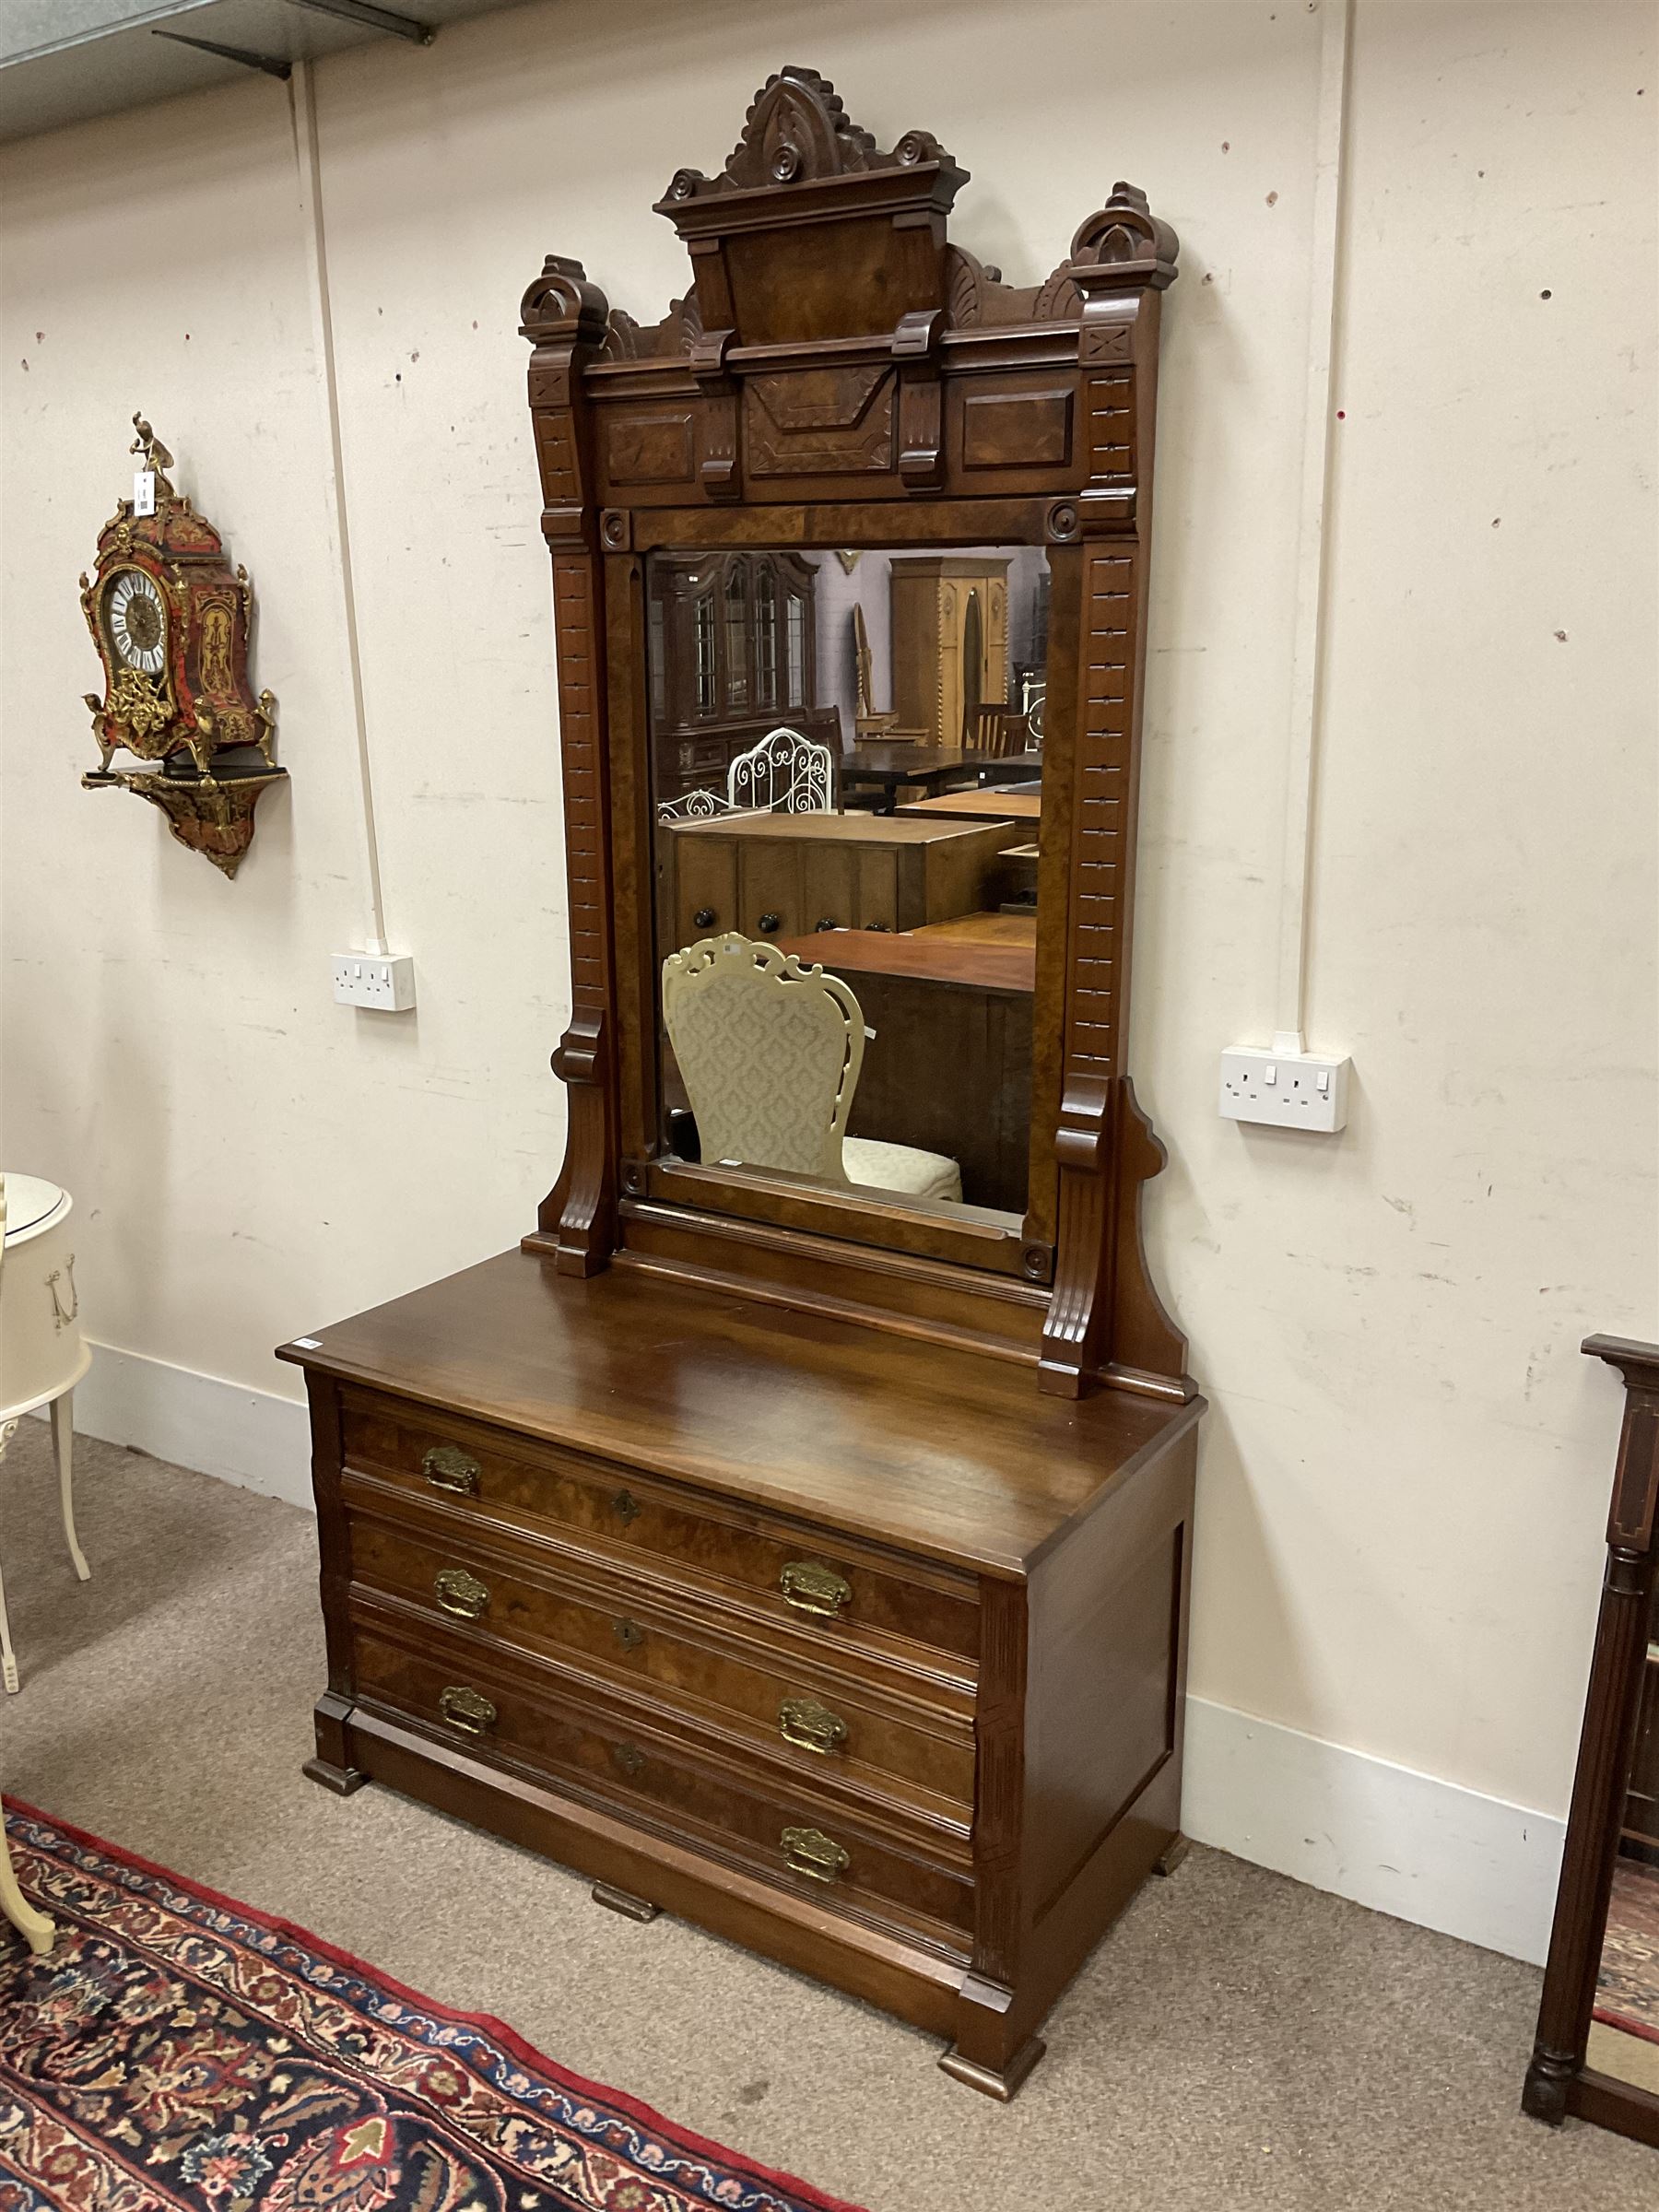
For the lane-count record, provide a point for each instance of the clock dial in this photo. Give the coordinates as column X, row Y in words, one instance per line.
column 136, row 621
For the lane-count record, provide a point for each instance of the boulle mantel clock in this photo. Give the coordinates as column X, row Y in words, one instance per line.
column 172, row 620
column 795, row 1533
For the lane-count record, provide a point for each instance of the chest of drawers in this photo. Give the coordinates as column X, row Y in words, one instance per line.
column 854, row 1650
column 787, row 874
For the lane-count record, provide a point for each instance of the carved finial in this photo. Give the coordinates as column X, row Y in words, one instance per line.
column 561, row 296
column 798, row 131
column 155, row 455
column 1125, row 230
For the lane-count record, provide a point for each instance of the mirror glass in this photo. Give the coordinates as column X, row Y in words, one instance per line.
column 1624, row 2032
column 846, row 755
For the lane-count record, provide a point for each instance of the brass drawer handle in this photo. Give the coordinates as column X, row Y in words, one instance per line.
column 810, row 1588
column 810, row 1726
column 626, row 1507
column 466, row 1710
column 810, row 1851
column 461, row 1593
column 629, row 1634
column 629, row 1756
column 446, row 1467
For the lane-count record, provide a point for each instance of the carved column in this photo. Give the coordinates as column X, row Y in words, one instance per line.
column 1121, row 260
column 563, row 317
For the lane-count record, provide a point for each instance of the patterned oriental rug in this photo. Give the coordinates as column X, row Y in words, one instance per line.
column 1627, row 1991
column 178, row 2050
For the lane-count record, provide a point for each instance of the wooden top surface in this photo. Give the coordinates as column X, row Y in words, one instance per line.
column 950, row 1454
column 890, row 756
column 827, row 828
column 1023, row 805
column 983, row 929
column 976, row 963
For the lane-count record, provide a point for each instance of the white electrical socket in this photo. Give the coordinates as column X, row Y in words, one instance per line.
column 385, row 982
column 1286, row 1091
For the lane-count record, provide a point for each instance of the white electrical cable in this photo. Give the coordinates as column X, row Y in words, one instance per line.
column 1308, row 650
column 308, row 162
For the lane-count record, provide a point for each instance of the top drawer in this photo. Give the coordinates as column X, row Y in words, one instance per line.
column 808, row 1576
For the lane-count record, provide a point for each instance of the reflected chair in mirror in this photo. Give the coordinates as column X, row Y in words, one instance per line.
column 785, row 773
column 998, row 731
column 770, row 1052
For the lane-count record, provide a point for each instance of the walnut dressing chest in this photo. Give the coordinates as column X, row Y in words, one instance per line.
column 781, row 1550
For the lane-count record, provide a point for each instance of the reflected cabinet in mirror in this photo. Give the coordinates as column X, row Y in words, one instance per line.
column 1597, row 2048
column 846, row 784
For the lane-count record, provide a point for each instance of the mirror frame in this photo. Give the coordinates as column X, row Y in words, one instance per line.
column 1558, row 2079
column 841, row 377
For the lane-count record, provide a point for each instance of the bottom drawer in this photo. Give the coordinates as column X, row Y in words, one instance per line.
column 775, row 1835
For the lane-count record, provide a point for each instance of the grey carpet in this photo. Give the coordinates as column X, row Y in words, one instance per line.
column 1236, row 2041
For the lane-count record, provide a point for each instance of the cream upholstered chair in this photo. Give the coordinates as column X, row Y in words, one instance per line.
column 786, row 772
column 770, row 1051
column 43, row 1356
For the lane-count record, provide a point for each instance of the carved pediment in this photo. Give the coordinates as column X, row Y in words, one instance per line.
column 626, row 340
column 798, row 131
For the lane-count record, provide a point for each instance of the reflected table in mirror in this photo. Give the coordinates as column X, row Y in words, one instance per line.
column 948, row 1069
column 990, row 802
column 930, row 769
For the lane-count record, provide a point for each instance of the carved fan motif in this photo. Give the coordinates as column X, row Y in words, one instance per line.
column 796, row 132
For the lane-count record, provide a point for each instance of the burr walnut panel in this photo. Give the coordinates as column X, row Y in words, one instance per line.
column 892, row 1607
column 523, row 1716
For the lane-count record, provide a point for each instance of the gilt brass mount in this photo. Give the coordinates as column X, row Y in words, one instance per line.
column 810, row 1726
column 466, row 1710
column 461, row 1593
column 810, row 1588
column 447, row 1468
column 810, row 1851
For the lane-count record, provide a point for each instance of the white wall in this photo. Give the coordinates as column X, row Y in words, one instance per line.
column 1405, row 1466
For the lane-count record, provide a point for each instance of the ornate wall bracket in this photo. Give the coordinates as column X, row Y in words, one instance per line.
column 212, row 815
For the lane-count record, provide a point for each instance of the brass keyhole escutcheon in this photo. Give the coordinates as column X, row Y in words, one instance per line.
column 626, row 1507
column 811, row 1726
column 447, row 1468
column 461, row 1593
column 466, row 1710
column 629, row 1756
column 812, row 1588
column 629, row 1634
column 810, row 1851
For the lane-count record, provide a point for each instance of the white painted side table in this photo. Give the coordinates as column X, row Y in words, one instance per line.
column 43, row 1356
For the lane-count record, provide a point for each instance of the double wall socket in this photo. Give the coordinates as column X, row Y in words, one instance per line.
column 385, row 982
column 1286, row 1091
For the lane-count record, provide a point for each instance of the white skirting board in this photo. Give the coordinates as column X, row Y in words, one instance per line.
column 251, row 1438
column 1401, row 1842
column 1425, row 1850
